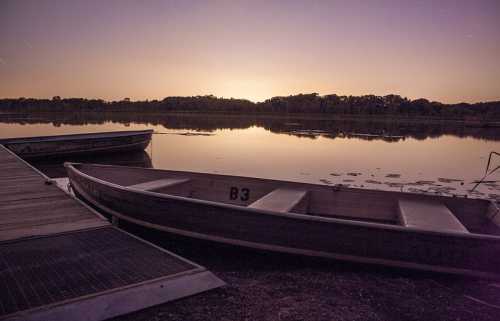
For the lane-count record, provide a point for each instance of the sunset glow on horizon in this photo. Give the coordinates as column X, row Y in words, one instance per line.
column 440, row 50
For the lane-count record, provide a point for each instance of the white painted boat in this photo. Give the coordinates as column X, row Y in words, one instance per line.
column 64, row 145
column 436, row 233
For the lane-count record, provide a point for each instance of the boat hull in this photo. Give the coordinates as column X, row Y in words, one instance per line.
column 467, row 254
column 68, row 145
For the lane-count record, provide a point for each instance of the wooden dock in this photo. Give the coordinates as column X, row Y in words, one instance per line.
column 61, row 260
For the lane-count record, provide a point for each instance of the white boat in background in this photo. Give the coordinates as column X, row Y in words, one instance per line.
column 64, row 145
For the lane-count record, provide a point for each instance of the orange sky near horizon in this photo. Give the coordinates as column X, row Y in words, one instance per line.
column 446, row 51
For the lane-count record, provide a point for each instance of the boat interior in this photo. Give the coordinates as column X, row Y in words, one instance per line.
column 421, row 211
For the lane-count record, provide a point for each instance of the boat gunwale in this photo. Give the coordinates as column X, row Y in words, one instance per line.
column 297, row 216
column 83, row 136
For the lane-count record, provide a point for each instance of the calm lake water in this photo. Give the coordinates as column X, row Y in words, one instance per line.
column 395, row 156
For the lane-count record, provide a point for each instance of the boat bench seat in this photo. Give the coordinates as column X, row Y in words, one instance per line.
column 428, row 215
column 281, row 200
column 159, row 184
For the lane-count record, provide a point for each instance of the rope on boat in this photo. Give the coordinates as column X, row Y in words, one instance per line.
column 486, row 173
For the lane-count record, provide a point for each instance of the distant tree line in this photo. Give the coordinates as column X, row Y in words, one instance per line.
column 368, row 105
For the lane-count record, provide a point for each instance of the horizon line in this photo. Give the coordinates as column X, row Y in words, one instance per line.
column 247, row 99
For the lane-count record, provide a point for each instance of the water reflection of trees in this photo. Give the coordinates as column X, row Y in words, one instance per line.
column 368, row 129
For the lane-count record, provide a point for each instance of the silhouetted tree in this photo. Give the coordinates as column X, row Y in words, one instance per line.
column 368, row 105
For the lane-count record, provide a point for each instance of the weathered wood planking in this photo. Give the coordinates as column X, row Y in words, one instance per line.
column 60, row 260
column 30, row 207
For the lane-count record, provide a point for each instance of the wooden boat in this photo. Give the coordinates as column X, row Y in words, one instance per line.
column 436, row 233
column 64, row 145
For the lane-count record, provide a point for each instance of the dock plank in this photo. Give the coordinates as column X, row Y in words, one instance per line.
column 33, row 230
column 34, row 203
column 16, row 196
column 69, row 213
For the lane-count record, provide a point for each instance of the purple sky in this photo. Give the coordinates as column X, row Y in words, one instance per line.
column 441, row 50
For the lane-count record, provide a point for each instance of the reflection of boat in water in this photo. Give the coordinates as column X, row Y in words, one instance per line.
column 63, row 145
column 437, row 233
column 53, row 167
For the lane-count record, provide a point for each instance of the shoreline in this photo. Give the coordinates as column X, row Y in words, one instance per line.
column 469, row 122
